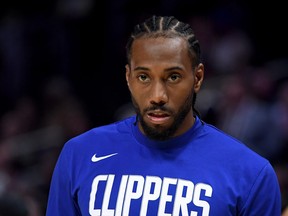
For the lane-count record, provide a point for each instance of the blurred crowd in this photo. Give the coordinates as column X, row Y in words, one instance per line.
column 62, row 73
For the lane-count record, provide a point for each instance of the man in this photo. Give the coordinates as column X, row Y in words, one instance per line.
column 164, row 160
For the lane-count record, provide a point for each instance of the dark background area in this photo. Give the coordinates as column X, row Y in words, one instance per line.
column 62, row 72
column 87, row 46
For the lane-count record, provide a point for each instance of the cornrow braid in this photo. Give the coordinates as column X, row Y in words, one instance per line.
column 167, row 26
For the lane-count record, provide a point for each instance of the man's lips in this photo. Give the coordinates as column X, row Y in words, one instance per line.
column 158, row 116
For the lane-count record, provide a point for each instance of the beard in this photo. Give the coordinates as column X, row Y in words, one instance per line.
column 159, row 133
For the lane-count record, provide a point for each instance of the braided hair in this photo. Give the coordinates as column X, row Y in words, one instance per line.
column 167, row 26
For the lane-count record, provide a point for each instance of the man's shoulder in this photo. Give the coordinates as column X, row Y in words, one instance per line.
column 227, row 143
column 122, row 126
column 108, row 134
column 218, row 134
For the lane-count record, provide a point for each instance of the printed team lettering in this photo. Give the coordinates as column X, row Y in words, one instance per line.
column 149, row 189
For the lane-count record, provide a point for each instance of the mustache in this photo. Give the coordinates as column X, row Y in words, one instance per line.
column 158, row 107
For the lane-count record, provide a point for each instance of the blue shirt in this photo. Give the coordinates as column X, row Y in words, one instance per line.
column 114, row 170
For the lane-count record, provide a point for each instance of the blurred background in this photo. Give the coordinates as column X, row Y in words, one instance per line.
column 62, row 72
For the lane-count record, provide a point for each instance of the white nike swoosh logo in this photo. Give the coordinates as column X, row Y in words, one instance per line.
column 96, row 159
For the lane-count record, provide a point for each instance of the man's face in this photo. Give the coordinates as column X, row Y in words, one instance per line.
column 162, row 85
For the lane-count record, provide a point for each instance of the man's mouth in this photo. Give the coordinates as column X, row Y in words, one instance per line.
column 158, row 116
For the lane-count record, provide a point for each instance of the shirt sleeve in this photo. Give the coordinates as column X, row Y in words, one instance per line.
column 264, row 198
column 60, row 200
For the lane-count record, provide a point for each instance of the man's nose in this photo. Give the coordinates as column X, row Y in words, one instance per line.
column 159, row 94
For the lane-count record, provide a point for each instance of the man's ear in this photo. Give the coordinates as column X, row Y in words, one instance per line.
column 127, row 74
column 198, row 76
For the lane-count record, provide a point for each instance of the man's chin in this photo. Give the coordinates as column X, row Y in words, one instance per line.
column 156, row 128
column 156, row 132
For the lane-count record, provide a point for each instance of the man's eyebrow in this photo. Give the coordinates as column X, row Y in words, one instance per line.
column 141, row 69
column 166, row 70
column 173, row 68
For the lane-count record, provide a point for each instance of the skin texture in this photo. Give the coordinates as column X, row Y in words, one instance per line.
column 162, row 82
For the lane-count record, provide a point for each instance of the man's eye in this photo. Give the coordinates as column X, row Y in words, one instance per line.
column 143, row 78
column 174, row 77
